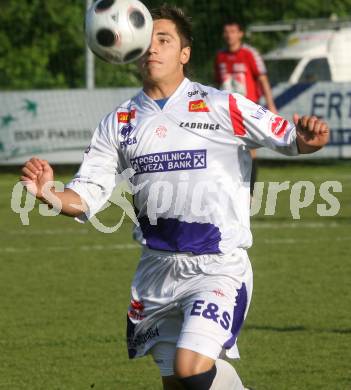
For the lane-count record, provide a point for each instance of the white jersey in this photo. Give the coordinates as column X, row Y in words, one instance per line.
column 192, row 165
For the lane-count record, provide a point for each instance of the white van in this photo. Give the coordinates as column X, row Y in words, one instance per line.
column 311, row 74
column 310, row 56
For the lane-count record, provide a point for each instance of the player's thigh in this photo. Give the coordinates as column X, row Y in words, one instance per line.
column 188, row 363
column 213, row 318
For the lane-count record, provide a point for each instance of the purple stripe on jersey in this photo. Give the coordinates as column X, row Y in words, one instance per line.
column 238, row 315
column 177, row 236
column 176, row 160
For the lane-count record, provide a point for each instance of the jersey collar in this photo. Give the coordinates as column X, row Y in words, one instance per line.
column 148, row 104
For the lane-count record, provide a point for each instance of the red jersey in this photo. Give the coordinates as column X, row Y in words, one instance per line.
column 239, row 71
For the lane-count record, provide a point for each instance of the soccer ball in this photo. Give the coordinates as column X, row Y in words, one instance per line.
column 118, row 31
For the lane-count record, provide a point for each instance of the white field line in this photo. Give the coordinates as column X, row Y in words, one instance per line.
column 255, row 224
column 328, row 177
column 295, row 225
column 50, row 232
column 298, row 241
column 70, row 248
column 136, row 246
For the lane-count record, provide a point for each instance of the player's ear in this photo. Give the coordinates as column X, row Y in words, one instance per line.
column 185, row 55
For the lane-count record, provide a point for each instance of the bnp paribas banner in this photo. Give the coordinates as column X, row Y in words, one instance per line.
column 331, row 101
column 55, row 125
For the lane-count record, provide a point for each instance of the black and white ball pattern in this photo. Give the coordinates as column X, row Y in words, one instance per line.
column 118, row 31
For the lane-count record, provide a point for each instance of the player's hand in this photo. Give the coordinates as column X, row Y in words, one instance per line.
column 312, row 133
column 35, row 174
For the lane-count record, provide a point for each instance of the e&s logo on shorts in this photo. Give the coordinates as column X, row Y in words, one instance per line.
column 211, row 311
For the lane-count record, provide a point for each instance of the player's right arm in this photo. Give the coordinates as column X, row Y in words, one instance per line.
column 38, row 177
column 92, row 185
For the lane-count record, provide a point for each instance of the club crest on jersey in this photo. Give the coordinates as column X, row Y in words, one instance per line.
column 126, row 117
column 279, row 126
column 126, row 133
column 161, row 131
column 198, row 106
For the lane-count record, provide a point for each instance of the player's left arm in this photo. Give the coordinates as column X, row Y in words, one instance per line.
column 312, row 133
column 255, row 127
column 267, row 92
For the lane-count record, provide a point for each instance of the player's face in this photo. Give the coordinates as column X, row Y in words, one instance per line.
column 232, row 34
column 165, row 58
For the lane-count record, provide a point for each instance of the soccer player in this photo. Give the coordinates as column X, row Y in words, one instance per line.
column 189, row 147
column 240, row 68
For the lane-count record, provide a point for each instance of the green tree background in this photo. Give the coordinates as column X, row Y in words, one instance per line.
column 42, row 41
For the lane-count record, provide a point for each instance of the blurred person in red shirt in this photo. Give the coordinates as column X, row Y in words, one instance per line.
column 240, row 68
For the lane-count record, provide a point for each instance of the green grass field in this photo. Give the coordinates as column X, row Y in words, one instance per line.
column 64, row 290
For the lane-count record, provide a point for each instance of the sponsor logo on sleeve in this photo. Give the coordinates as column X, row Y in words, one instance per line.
column 126, row 134
column 126, row 117
column 170, row 161
column 198, row 106
column 260, row 113
column 278, row 126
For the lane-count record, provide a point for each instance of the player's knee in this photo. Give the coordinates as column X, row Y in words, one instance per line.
column 183, row 371
column 201, row 381
column 221, row 376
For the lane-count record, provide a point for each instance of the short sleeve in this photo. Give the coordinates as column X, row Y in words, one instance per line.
column 256, row 62
column 98, row 173
column 256, row 126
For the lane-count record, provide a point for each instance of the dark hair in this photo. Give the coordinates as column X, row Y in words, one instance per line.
column 236, row 22
column 178, row 17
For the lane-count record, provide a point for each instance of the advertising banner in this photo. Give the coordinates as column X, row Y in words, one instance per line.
column 56, row 125
column 331, row 101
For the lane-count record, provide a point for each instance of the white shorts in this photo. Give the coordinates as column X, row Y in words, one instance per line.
column 187, row 301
